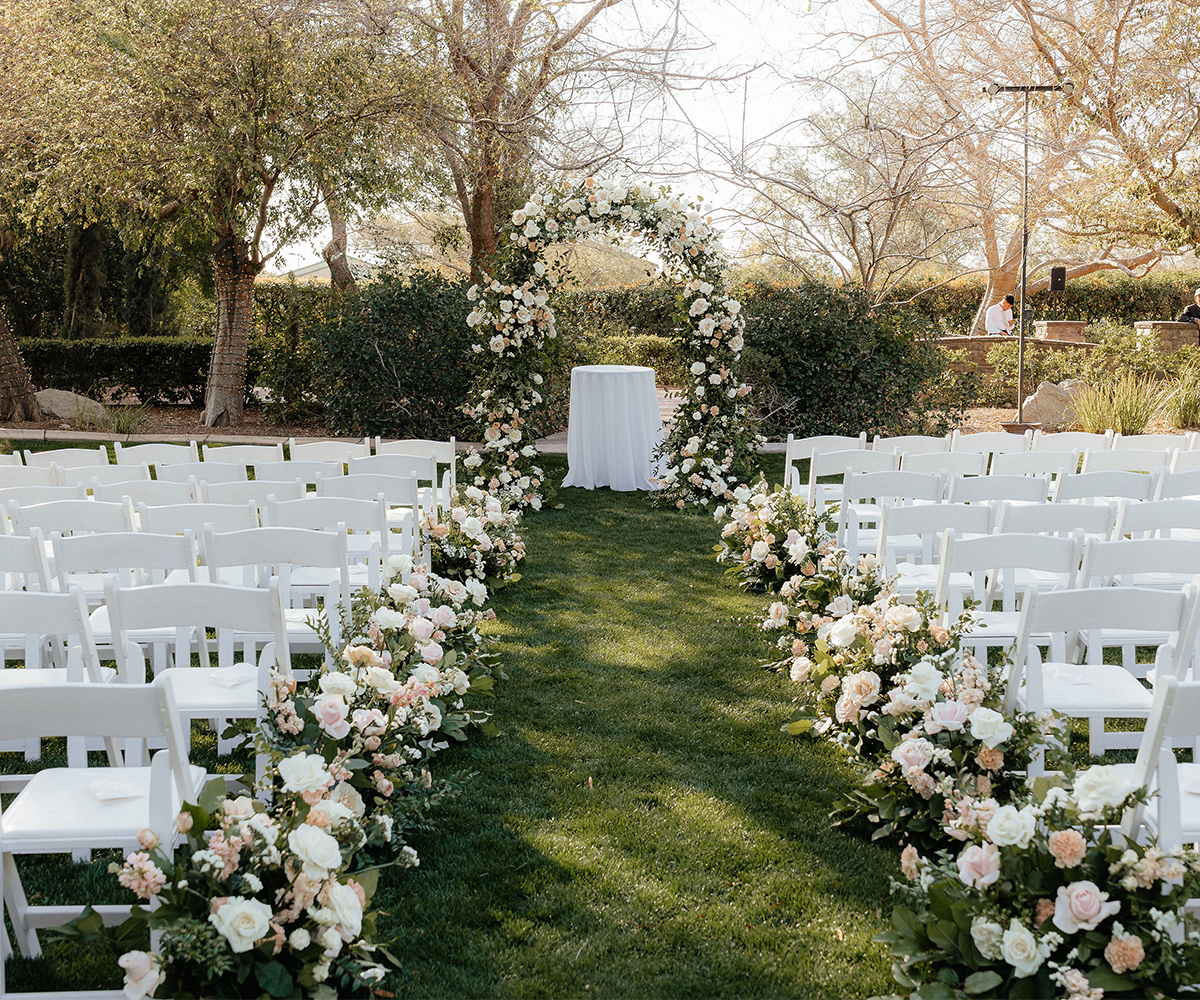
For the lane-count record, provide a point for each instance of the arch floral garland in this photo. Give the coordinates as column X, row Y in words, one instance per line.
column 708, row 450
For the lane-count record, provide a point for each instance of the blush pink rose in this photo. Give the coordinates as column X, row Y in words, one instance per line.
column 331, row 712
column 444, row 617
column 432, row 653
column 913, row 753
column 951, row 715
column 1081, row 906
column 420, row 628
column 979, row 866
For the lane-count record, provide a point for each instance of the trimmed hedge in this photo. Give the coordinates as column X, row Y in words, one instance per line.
column 155, row 369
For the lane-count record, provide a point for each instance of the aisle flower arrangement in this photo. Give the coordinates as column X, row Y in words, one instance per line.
column 475, row 538
column 711, row 440
column 1045, row 900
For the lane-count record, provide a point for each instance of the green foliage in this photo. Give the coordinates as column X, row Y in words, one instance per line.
column 155, row 369
column 286, row 312
column 397, row 360
column 1125, row 403
column 1042, row 364
column 822, row 363
column 1183, row 404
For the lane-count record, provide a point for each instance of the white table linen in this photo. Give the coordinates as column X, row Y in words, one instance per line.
column 613, row 427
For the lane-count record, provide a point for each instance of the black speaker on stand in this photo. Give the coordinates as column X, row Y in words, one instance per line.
column 1058, row 285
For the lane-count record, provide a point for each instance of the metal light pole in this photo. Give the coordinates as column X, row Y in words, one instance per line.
column 992, row 89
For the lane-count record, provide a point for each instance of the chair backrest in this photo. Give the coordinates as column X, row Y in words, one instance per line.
column 1072, row 441
column 422, row 467
column 914, row 444
column 1156, row 517
column 1125, row 460
column 1174, row 717
column 137, row 559
column 1035, row 463
column 175, row 519
column 24, row 475
column 1186, row 461
column 67, row 458
column 1093, row 486
column 11, row 458
column 397, row 491
column 242, row 454
column 1107, row 562
column 305, row 471
column 156, row 454
column 62, row 618
column 209, row 472
column 989, row 442
column 891, row 486
column 254, row 491
column 153, row 492
column 23, row 561
column 186, row 606
column 1168, row 442
column 992, row 562
column 946, row 463
column 1088, row 611
column 1173, row 485
column 927, row 522
column 801, row 449
column 89, row 475
column 111, row 711
column 328, row 451
column 834, row 463
column 443, row 451
column 983, row 489
column 331, row 513
column 1055, row 519
column 69, row 516
column 41, row 494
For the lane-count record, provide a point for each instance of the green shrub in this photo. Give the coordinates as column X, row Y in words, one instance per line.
column 1042, row 364
column 1126, row 403
column 287, row 313
column 1183, row 404
column 822, row 363
column 397, row 359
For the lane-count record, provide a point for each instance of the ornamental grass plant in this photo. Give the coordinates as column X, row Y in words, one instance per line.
column 1125, row 404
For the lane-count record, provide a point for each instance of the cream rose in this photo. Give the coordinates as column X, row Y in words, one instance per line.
column 304, row 773
column 902, row 616
column 843, row 633
column 987, row 935
column 334, row 682
column 347, row 909
column 1019, row 948
column 242, row 922
column 382, row 680
column 840, row 605
column 317, row 849
column 1103, row 787
column 1012, row 827
column 989, row 727
column 143, row 974
column 760, row 550
column 388, row 618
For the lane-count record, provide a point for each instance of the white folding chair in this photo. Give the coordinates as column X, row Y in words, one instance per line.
column 1094, row 690
column 945, row 463
column 24, row 475
column 1071, row 441
column 422, row 468
column 914, row 444
column 1094, row 520
column 1035, row 463
column 1186, row 461
column 1175, row 518
column 910, row 540
column 67, row 458
column 175, row 519
column 989, row 489
column 835, row 463
column 401, row 495
column 156, row 454
column 152, row 492
column 995, row 568
column 1172, row 815
column 242, row 454
column 1126, row 460
column 69, row 517
column 69, row 809
column 11, row 458
column 864, row 492
column 1173, row 484
column 89, row 475
column 211, row 472
column 329, row 450
column 798, row 449
column 443, row 452
column 990, row 442
column 255, row 491
column 1103, row 487
column 370, row 541
column 27, row 496
column 1154, row 563
column 1168, row 442
column 251, row 616
column 305, row 471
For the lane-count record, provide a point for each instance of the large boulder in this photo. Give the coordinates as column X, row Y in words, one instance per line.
column 58, row 404
column 1052, row 405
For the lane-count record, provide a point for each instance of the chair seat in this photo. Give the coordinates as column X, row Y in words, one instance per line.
column 1093, row 689
column 36, row 677
column 1157, row 581
column 202, row 692
column 77, row 799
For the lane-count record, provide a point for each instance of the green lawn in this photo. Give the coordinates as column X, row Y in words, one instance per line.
column 641, row 827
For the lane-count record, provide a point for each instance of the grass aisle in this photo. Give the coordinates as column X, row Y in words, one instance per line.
column 641, row 828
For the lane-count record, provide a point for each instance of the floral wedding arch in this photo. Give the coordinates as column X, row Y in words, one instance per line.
column 708, row 450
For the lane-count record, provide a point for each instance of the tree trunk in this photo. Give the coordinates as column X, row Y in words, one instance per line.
column 335, row 250
column 225, row 397
column 17, row 401
column 481, row 223
column 84, row 278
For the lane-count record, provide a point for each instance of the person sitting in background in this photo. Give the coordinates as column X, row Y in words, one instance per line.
column 1192, row 313
column 999, row 317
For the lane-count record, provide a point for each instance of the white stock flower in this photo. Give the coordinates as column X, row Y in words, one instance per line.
column 242, row 922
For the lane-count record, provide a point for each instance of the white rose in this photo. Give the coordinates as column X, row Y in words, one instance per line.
column 844, row 632
column 902, row 616
column 331, row 941
column 1019, row 948
column 333, row 810
column 840, row 605
column 299, row 939
column 143, row 974
column 242, row 922
column 1010, row 827
column 240, row 808
column 338, row 683
column 760, row 550
column 924, row 681
column 303, row 773
column 989, row 727
column 349, row 797
column 472, row 527
column 382, row 680
column 346, row 908
column 987, row 935
column 387, row 618
column 477, row 590
column 698, row 368
column 317, row 849
column 1102, row 787
column 425, row 674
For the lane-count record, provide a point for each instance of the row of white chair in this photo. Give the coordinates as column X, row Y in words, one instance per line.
column 991, row 442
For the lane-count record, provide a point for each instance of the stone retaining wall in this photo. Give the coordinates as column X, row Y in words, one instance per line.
column 977, row 348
